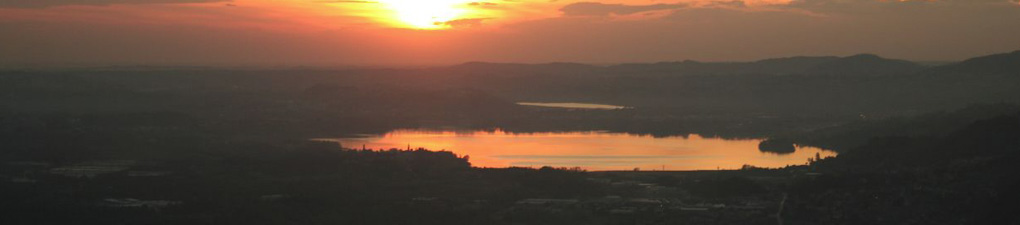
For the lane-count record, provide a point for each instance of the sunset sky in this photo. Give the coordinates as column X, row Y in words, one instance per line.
column 421, row 32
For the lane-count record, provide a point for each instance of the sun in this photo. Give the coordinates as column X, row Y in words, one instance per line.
column 427, row 14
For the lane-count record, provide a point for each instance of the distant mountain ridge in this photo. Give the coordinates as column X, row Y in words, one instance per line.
column 1001, row 64
column 861, row 64
column 848, row 85
column 521, row 67
column 854, row 65
column 865, row 64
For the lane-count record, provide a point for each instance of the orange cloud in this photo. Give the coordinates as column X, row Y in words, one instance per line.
column 53, row 3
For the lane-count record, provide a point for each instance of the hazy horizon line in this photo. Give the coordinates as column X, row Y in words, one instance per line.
column 343, row 66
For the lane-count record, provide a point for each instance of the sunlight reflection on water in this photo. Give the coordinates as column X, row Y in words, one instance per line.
column 590, row 150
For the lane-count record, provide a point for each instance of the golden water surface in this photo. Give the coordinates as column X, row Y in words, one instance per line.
column 588, row 150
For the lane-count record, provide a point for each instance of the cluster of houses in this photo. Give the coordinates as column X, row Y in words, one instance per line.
column 89, row 169
column 29, row 171
column 135, row 203
column 619, row 205
column 651, row 200
column 93, row 168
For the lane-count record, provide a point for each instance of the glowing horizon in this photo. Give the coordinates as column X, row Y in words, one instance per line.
column 439, row 32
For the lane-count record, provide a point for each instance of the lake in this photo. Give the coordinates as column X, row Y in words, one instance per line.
column 572, row 105
column 589, row 150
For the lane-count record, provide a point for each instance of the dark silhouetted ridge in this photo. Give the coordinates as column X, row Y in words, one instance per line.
column 1005, row 63
column 865, row 64
column 488, row 66
column 796, row 64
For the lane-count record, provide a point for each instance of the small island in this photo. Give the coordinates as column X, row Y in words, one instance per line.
column 778, row 146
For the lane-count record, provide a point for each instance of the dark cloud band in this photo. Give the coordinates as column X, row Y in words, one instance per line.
column 600, row 9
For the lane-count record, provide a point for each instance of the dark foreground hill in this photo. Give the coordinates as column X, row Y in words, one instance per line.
column 846, row 137
column 966, row 176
